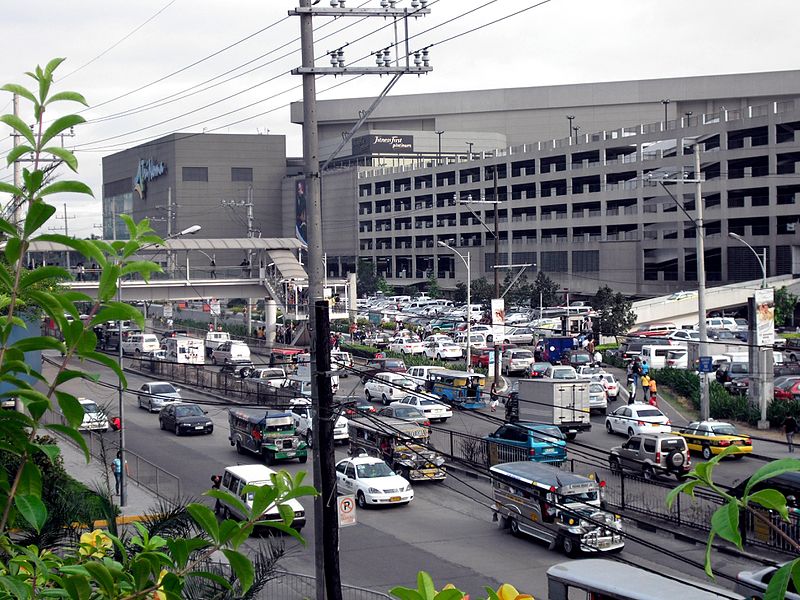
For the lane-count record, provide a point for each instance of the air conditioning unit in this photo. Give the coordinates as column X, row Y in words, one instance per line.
column 791, row 227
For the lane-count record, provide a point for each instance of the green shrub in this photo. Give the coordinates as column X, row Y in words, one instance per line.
column 681, row 381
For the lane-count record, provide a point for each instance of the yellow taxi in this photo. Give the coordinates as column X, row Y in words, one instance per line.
column 712, row 437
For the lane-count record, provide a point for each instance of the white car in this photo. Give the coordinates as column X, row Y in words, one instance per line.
column 404, row 345
column 140, row 343
column 637, row 418
column 609, row 382
column 230, row 352
column 519, row 335
column 598, row 398
column 441, row 350
column 387, row 386
column 434, row 410
column 683, row 336
column 303, row 418
column 438, row 337
column 561, row 372
column 94, row 417
column 372, row 482
column 154, row 395
column 517, row 360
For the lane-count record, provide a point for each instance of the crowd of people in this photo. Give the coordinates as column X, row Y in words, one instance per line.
column 639, row 372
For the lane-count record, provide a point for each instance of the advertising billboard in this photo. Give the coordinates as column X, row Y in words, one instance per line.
column 382, row 144
column 765, row 316
column 498, row 311
column 301, row 224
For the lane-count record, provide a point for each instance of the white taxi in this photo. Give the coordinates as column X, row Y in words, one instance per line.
column 405, row 345
column 428, row 406
column 372, row 482
column 442, row 350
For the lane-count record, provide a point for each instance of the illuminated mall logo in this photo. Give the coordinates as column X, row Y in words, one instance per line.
column 393, row 142
column 148, row 170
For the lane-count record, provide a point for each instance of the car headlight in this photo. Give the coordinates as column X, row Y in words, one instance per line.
column 407, row 488
column 373, row 490
column 438, row 461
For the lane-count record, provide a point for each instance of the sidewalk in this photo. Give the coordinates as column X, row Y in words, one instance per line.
column 139, row 500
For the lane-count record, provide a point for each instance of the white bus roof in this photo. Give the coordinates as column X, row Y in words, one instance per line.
column 633, row 583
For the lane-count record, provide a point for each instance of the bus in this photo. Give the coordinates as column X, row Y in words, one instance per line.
column 458, row 388
column 603, row 579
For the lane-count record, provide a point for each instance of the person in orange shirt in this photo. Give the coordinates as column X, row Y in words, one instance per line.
column 653, row 392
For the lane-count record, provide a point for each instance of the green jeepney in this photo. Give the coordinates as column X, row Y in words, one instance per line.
column 270, row 434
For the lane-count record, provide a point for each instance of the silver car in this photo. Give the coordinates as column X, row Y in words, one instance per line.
column 154, row 395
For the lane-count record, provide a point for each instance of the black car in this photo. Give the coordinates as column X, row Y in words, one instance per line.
column 184, row 418
column 238, row 368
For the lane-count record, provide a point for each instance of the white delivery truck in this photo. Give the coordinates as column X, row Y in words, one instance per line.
column 184, row 350
column 563, row 403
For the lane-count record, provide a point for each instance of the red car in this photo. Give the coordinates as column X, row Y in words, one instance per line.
column 789, row 390
column 537, row 369
column 480, row 357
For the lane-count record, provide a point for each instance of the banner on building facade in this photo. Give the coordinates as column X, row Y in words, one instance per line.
column 765, row 316
column 301, row 224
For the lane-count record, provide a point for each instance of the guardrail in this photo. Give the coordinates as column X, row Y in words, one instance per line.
column 624, row 492
column 145, row 473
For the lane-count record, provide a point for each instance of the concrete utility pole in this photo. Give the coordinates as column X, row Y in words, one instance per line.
column 496, row 274
column 705, row 402
column 66, row 218
column 326, row 546
column 251, row 231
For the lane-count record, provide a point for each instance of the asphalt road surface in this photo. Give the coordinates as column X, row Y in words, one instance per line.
column 447, row 530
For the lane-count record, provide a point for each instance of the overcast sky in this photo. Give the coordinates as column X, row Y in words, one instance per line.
column 114, row 48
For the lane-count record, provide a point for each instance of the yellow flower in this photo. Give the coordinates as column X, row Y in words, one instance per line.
column 509, row 592
column 159, row 594
column 95, row 544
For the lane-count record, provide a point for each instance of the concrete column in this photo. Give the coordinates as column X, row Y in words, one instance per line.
column 270, row 320
column 352, row 296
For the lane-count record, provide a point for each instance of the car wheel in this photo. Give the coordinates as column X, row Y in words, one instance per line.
column 303, row 459
column 269, row 458
column 613, row 464
column 570, row 547
column 444, row 420
column 438, row 356
column 571, row 436
column 177, row 429
column 361, row 500
column 385, row 400
column 364, row 380
column 648, row 473
column 214, row 360
column 706, row 452
column 239, row 448
column 161, row 424
column 150, row 405
column 309, row 439
column 630, row 431
column 368, row 395
column 141, row 404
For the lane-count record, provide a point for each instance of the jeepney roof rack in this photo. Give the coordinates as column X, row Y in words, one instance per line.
column 538, row 474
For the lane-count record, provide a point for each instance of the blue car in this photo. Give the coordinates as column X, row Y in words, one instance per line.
column 536, row 442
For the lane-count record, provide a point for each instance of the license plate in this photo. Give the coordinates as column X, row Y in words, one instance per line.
column 395, row 499
column 550, row 450
column 291, row 453
column 655, row 424
column 199, row 426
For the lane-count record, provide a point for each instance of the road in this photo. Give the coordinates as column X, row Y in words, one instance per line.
column 447, row 529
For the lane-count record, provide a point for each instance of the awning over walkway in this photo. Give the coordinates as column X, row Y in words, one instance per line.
column 287, row 264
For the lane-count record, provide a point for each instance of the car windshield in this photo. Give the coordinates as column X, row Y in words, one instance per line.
column 564, row 374
column 90, row 407
column 407, row 412
column 547, row 434
column 162, row 388
column 371, row 470
column 540, row 366
column 650, row 412
column 672, row 444
column 581, row 358
column 425, row 402
column 403, row 382
column 723, row 429
column 189, row 411
column 578, row 498
column 596, row 388
column 523, row 354
column 739, row 368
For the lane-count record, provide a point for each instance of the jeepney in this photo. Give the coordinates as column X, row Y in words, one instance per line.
column 556, row 506
column 270, row 434
column 402, row 444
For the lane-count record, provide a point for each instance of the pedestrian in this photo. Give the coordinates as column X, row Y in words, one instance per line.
column 790, row 428
column 645, row 367
column 213, row 268
column 117, row 467
column 632, row 387
column 645, row 383
column 637, row 372
column 116, row 423
column 81, row 272
column 653, row 391
column 216, row 482
column 493, row 398
column 590, row 347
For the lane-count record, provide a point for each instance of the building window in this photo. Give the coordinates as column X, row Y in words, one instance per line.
column 241, row 174
column 586, row 261
column 195, row 173
column 554, row 262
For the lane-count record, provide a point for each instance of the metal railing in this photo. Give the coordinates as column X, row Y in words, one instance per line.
column 291, row 586
column 144, row 472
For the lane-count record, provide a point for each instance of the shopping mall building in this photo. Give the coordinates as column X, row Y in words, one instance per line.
column 595, row 206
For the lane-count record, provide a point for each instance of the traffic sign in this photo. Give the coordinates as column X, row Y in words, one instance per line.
column 704, row 365
column 347, row 510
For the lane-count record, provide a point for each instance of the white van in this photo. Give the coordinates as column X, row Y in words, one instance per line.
column 656, row 356
column 184, row 350
column 139, row 343
column 231, row 351
column 678, row 358
column 475, row 339
column 419, row 375
column 214, row 339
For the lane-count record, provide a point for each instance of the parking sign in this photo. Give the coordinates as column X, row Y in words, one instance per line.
column 347, row 510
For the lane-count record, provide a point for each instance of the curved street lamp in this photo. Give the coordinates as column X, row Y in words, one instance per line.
column 467, row 263
column 762, row 260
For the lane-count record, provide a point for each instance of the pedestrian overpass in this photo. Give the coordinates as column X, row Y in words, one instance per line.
column 191, row 272
column 681, row 308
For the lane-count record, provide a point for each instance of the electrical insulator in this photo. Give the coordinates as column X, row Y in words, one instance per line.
column 387, row 58
column 334, row 3
column 379, row 58
column 384, row 3
column 341, row 57
column 341, row 3
column 333, row 58
column 417, row 60
column 392, row 4
column 415, row 4
column 426, row 59
column 424, row 3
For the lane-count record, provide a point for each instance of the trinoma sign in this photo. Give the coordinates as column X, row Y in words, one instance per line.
column 148, row 170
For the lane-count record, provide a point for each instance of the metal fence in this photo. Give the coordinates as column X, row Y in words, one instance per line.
column 104, row 448
column 293, row 586
column 624, row 492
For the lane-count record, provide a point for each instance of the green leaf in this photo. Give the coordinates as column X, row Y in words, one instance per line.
column 30, row 481
column 143, row 267
column 233, row 500
column 102, row 576
column 287, row 513
column 60, row 125
column 109, row 280
column 205, row 518
column 40, row 273
column 62, row 187
column 404, row 593
column 725, row 523
column 77, row 587
column 13, row 250
column 89, row 248
column 38, row 214
column 242, row 567
column 771, row 469
column 21, row 90
column 19, row 126
column 776, row 589
column 16, row 152
column 686, row 487
column 769, row 499
column 71, row 407
column 71, row 96
column 707, row 565
column 50, row 450
column 32, row 510
column 38, row 343
column 219, row 580
column 71, row 434
column 7, row 227
column 108, row 361
column 118, row 311
column 263, row 496
column 452, row 594
column 68, row 157
column 16, row 588
column 425, row 585
column 69, row 375
column 52, row 66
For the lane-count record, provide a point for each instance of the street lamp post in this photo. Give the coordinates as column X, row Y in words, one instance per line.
column 762, row 260
column 469, row 297
column 123, row 478
column 665, row 102
column 439, row 156
column 470, row 144
column 575, row 129
column 569, row 129
column 688, row 114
